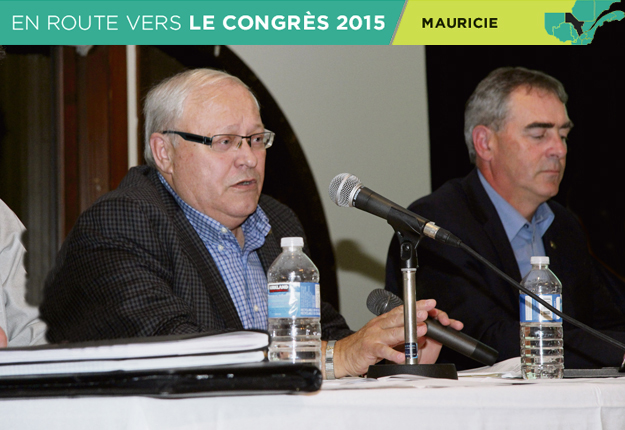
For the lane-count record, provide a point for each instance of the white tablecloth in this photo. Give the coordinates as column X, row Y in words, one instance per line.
column 469, row 403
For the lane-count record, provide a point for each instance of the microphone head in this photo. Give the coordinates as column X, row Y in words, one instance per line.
column 381, row 301
column 343, row 188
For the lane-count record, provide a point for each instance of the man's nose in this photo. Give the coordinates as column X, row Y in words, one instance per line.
column 245, row 155
column 558, row 147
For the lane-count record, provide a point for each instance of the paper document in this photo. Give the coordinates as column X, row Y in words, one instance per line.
column 510, row 368
column 136, row 354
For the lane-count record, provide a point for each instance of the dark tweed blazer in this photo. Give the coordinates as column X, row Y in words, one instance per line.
column 134, row 266
column 488, row 306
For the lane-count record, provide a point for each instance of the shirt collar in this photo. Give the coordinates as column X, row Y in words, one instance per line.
column 511, row 219
column 255, row 227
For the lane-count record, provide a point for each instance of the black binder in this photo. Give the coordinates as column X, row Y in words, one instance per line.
column 241, row 379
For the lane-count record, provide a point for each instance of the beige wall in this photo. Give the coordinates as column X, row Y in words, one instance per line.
column 360, row 110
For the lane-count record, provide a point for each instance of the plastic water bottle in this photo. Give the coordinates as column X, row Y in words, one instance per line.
column 294, row 306
column 542, row 344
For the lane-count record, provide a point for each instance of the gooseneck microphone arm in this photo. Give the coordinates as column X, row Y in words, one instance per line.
column 345, row 190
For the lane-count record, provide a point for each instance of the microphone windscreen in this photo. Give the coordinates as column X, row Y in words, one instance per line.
column 381, row 301
column 341, row 189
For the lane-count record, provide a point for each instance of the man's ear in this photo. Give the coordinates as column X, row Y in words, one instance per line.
column 483, row 140
column 162, row 151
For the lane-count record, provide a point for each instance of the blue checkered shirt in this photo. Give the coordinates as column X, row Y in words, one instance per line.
column 240, row 269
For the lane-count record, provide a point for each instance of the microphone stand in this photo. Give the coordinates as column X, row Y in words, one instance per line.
column 408, row 251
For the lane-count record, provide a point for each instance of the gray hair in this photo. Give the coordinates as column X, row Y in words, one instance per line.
column 488, row 105
column 165, row 103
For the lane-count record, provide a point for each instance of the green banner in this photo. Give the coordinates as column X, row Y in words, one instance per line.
column 199, row 22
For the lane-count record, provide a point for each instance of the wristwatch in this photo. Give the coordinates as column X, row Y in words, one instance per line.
column 330, row 359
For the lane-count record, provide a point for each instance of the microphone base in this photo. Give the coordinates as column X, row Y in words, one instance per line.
column 442, row 370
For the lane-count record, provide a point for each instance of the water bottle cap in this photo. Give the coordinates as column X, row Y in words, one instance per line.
column 539, row 260
column 291, row 241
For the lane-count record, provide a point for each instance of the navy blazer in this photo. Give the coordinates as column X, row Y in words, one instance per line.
column 485, row 303
column 134, row 266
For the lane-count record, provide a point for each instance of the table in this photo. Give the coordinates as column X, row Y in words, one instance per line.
column 470, row 402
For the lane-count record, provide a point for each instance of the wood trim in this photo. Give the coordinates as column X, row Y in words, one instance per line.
column 93, row 125
column 68, row 148
column 118, row 116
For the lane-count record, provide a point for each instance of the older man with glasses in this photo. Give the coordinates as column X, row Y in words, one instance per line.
column 184, row 244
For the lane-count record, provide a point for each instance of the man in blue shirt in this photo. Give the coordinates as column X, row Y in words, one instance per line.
column 184, row 244
column 516, row 128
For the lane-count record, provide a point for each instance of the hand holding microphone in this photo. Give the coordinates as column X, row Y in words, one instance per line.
column 382, row 301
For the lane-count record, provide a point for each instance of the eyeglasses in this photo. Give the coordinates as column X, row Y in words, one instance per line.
column 225, row 142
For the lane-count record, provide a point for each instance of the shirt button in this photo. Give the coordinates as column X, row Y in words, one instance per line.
column 220, row 247
column 255, row 308
column 224, row 230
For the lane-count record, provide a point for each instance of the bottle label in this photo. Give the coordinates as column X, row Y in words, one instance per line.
column 294, row 299
column 533, row 312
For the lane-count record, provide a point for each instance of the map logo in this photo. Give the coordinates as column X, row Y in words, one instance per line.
column 579, row 26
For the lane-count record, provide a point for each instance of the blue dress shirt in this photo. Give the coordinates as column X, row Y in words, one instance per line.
column 240, row 268
column 525, row 237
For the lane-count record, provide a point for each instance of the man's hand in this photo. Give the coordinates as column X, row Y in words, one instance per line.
column 375, row 341
column 3, row 339
column 429, row 349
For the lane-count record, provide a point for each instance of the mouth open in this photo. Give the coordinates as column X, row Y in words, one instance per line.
column 245, row 183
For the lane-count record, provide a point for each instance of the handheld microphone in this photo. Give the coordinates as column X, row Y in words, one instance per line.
column 381, row 301
column 346, row 190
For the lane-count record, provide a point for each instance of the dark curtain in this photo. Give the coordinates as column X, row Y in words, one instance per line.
column 594, row 77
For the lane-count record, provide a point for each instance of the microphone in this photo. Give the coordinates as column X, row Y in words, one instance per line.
column 346, row 190
column 381, row 301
